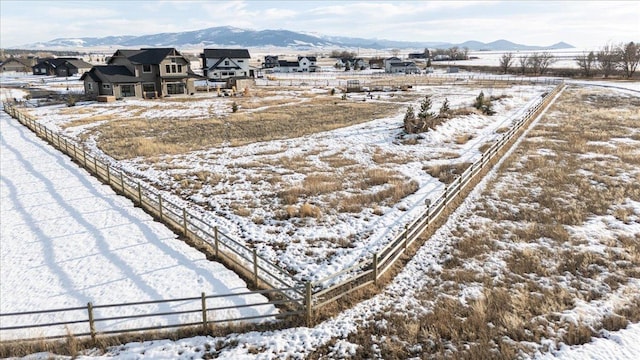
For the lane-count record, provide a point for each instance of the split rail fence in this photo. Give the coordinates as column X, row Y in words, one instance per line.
column 278, row 284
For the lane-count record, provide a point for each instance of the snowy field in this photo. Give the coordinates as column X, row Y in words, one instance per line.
column 400, row 294
column 245, row 202
column 67, row 240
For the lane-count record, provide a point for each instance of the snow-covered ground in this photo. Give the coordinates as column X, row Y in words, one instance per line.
column 67, row 239
column 299, row 342
column 337, row 239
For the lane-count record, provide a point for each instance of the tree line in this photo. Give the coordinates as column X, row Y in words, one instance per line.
column 606, row 61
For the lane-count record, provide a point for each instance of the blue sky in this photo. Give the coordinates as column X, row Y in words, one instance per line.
column 584, row 24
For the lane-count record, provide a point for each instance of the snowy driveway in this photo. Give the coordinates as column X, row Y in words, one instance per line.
column 66, row 240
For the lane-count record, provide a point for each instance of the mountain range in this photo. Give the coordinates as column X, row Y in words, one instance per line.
column 227, row 36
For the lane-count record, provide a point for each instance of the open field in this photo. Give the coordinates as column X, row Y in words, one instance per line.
column 547, row 254
column 560, row 244
column 314, row 203
column 540, row 258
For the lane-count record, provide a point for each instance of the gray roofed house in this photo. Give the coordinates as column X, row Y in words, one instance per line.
column 145, row 73
column 17, row 64
column 61, row 67
column 223, row 64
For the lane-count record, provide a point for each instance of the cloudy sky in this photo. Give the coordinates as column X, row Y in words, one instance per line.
column 584, row 24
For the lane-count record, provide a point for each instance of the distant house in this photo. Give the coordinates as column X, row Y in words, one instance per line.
column 307, row 64
column 395, row 65
column 376, row 63
column 389, row 61
column 14, row 64
column 287, row 66
column 61, row 67
column 270, row 61
column 223, row 64
column 150, row 72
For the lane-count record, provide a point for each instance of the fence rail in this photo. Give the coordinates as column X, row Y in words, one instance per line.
column 95, row 319
column 301, row 297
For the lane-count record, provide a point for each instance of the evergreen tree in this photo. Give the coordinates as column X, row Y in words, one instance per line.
column 444, row 109
column 410, row 120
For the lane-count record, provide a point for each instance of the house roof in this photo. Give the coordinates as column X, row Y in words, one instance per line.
column 57, row 62
column 403, row 64
column 286, row 63
column 218, row 66
column 227, row 53
column 148, row 56
column 111, row 74
column 22, row 61
column 310, row 58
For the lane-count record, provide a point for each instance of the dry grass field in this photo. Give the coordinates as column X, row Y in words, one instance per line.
column 262, row 115
column 552, row 233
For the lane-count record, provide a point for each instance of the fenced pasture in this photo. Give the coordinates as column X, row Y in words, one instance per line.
column 302, row 297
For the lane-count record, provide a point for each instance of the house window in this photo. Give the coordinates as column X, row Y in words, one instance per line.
column 146, row 68
column 106, row 86
column 149, row 87
column 90, row 86
column 173, row 68
column 168, row 68
column 179, row 68
column 175, row 88
column 240, row 61
column 127, row 90
column 226, row 63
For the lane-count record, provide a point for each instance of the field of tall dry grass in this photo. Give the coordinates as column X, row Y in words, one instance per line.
column 546, row 254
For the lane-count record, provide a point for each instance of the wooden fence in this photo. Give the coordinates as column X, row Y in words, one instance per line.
column 385, row 79
column 302, row 297
column 122, row 318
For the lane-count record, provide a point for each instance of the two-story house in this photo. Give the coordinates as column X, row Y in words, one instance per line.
column 307, row 64
column 152, row 72
column 270, row 61
column 302, row 64
column 395, row 65
column 223, row 64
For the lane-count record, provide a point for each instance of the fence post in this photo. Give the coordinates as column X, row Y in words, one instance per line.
column 95, row 166
column 139, row 194
column 108, row 175
column 184, row 222
column 204, row 311
column 92, row 325
column 307, row 303
column 84, row 156
column 255, row 267
column 215, row 239
column 122, row 183
column 160, row 205
column 375, row 268
column 406, row 235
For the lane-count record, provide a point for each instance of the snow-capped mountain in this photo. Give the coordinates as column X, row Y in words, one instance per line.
column 235, row 37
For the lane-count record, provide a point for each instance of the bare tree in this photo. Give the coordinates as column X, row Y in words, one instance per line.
column 540, row 62
column 546, row 59
column 465, row 53
column 506, row 61
column 607, row 60
column 628, row 56
column 534, row 63
column 586, row 62
column 522, row 62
